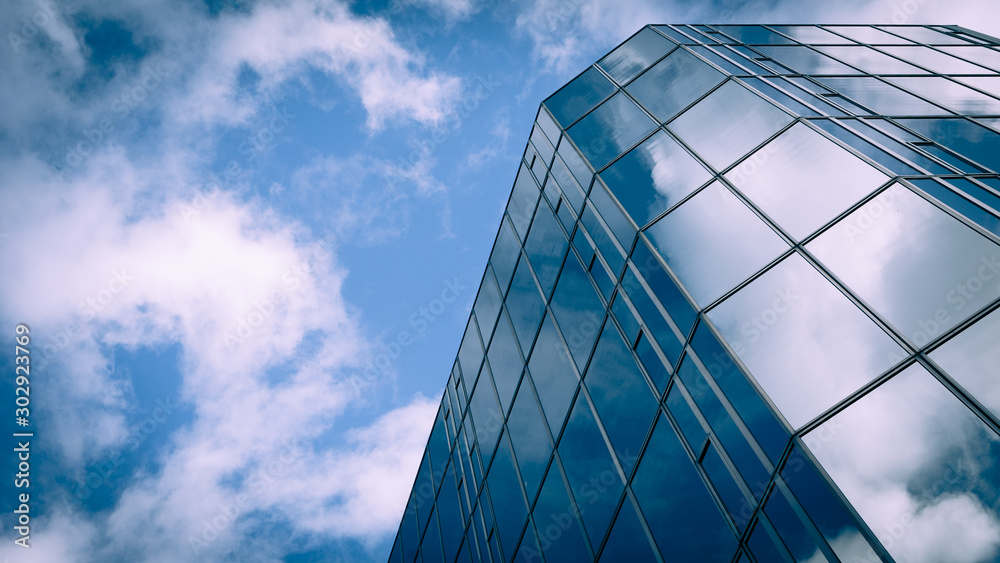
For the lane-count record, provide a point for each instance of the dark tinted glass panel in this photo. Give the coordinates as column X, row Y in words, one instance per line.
column 762, row 545
column 590, row 470
column 566, row 183
column 965, row 137
column 542, row 146
column 736, row 504
column 430, row 546
column 693, row 431
column 633, row 56
column 753, row 34
column 950, row 94
column 625, row 317
column 579, row 96
column 663, row 286
column 806, row 61
column 793, row 532
column 627, row 541
column 809, row 34
column 450, row 515
column 408, row 532
column 674, row 83
column 439, row 449
column 602, row 239
column 531, row 443
column 548, row 125
column 881, row 97
column 683, row 517
column 610, row 130
column 865, row 34
column 557, row 379
column 546, row 246
column 470, row 354
column 529, row 550
column 620, row 394
column 557, row 520
column 654, row 364
column 505, row 361
column 525, row 305
column 578, row 309
column 508, row 502
column 577, row 166
column 654, row 176
column 486, row 415
column 612, row 215
column 505, row 253
column 664, row 335
column 487, row 305
column 522, row 201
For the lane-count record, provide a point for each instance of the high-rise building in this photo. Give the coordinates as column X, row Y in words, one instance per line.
column 742, row 306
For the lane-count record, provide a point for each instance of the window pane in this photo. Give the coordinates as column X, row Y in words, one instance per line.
column 654, row 176
column 621, row 396
column 556, row 379
column 685, row 521
column 934, row 60
column 962, row 136
column 809, row 34
column 612, row 215
column 728, row 124
column 633, row 56
column 470, row 354
column 558, row 521
column 673, row 84
column 578, row 309
column 588, row 463
column 487, row 303
column 627, row 541
column 805, row 60
column 579, row 96
column 793, row 532
column 924, row 35
column 950, row 94
column 713, row 242
column 505, row 253
column 545, row 247
column 753, row 34
column 508, row 502
column 531, row 443
column 486, row 415
column 934, row 280
column 692, row 430
column 980, row 55
column 803, row 180
column 664, row 287
column 790, row 327
column 881, row 97
column 973, row 358
column 610, row 130
column 865, row 34
column 525, row 305
column 505, row 361
column 870, row 60
column 665, row 336
column 919, row 467
column 430, row 546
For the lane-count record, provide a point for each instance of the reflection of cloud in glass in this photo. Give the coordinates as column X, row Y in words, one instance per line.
column 790, row 327
column 802, row 180
column 973, row 360
column 923, row 270
column 919, row 468
column 713, row 242
column 950, row 94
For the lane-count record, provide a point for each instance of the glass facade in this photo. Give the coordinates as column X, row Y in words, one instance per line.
column 743, row 305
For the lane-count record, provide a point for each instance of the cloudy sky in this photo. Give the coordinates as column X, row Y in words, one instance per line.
column 246, row 237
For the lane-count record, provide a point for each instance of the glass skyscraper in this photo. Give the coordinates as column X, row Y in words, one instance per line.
column 743, row 305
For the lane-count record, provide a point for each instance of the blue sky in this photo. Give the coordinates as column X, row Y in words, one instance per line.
column 246, row 237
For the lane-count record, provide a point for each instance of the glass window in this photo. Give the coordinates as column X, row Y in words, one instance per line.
column 557, row 382
column 690, row 427
column 674, row 83
column 546, row 246
column 625, row 317
column 603, row 239
column 409, row 533
column 713, row 242
column 753, row 34
column 548, row 126
column 792, row 530
column 654, row 364
column 719, row 60
column 663, row 286
column 951, row 94
column 522, row 201
column 635, row 55
column 654, row 176
column 965, row 137
column 919, row 467
column 487, row 306
column 590, row 470
column 452, row 523
column 865, row 147
column 505, row 253
column 949, row 197
column 768, row 88
column 736, row 504
column 925, row 35
column 988, row 84
column 932, row 279
column 729, row 123
column 881, row 97
column 577, row 166
column 525, row 305
column 578, row 309
column 566, row 184
column 531, row 443
column 558, row 520
column 864, row 127
column 665, row 336
column 980, row 55
column 470, row 354
column 870, row 60
column 509, row 509
column 579, row 96
column 973, row 358
column 805, row 60
column 610, row 130
column 486, row 415
column 505, row 361
column 683, row 518
column 620, row 393
column 762, row 545
column 934, row 60
column 542, row 145
column 790, row 328
column 809, row 34
column 803, row 180
column 866, row 34
column 612, row 215
column 674, row 34
column 626, row 540
column 439, row 449
column 430, row 546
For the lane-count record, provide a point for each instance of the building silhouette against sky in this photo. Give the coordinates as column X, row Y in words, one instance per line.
column 742, row 306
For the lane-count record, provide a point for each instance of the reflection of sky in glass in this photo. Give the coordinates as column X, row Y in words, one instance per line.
column 922, row 269
column 934, row 60
column 865, row 34
column 713, row 242
column 919, row 468
column 950, row 94
column 633, row 56
column 610, row 129
column 973, row 360
column 579, row 96
column 871, row 61
column 791, row 327
column 881, row 97
column 803, row 180
column 654, row 176
column 674, row 83
column 806, row 60
column 809, row 34
column 728, row 124
column 979, row 55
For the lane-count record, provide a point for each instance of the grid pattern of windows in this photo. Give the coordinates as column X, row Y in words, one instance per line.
column 743, row 306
